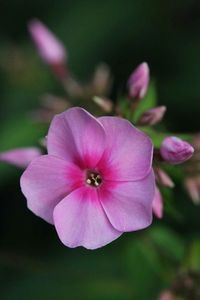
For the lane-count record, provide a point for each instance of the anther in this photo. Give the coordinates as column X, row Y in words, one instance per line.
column 93, row 179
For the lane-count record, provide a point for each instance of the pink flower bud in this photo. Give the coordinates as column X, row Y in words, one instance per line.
column 49, row 47
column 104, row 103
column 158, row 204
column 175, row 151
column 192, row 185
column 138, row 81
column 152, row 116
column 20, row 157
column 163, row 178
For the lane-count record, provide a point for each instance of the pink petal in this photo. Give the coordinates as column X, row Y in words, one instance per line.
column 128, row 154
column 76, row 136
column 81, row 221
column 46, row 181
column 128, row 205
column 158, row 204
column 20, row 157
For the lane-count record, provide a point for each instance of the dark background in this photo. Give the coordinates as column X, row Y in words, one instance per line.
column 166, row 34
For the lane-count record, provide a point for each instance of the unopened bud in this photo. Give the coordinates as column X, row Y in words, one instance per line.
column 20, row 157
column 104, row 103
column 102, row 80
column 175, row 151
column 152, row 116
column 138, row 81
column 192, row 185
column 158, row 204
column 48, row 45
column 163, row 178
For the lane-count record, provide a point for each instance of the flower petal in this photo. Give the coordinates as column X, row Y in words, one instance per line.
column 76, row 136
column 81, row 221
column 128, row 205
column 20, row 157
column 46, row 181
column 128, row 151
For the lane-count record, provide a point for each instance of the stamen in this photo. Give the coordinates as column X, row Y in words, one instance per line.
column 93, row 179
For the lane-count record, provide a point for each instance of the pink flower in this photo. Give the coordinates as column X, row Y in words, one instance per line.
column 152, row 116
column 96, row 181
column 175, row 150
column 138, row 81
column 158, row 204
column 49, row 47
column 20, row 157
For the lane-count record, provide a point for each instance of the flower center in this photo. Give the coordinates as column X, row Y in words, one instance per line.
column 93, row 179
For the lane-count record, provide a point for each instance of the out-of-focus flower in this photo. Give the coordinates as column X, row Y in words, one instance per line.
column 158, row 204
column 20, row 157
column 175, row 151
column 166, row 295
column 52, row 105
column 138, row 81
column 192, row 185
column 49, row 46
column 99, row 85
column 105, row 104
column 152, row 116
column 163, row 178
column 196, row 141
column 96, row 181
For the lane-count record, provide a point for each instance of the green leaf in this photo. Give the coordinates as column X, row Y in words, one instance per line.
column 168, row 243
column 193, row 257
column 145, row 267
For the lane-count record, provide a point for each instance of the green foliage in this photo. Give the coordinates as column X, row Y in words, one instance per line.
column 192, row 261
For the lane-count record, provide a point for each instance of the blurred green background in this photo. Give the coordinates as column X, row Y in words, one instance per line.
column 166, row 34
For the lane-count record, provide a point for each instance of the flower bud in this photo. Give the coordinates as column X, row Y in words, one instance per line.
column 20, row 157
column 192, row 185
column 158, row 204
column 104, row 103
column 102, row 80
column 49, row 47
column 163, row 178
column 138, row 81
column 175, row 151
column 152, row 116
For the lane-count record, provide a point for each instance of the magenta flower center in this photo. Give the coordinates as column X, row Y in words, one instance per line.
column 93, row 178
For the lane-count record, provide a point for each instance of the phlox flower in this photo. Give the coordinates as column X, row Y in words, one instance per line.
column 96, row 181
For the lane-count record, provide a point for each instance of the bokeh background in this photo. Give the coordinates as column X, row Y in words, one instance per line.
column 166, row 34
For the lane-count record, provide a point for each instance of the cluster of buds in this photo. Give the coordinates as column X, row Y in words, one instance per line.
column 172, row 150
